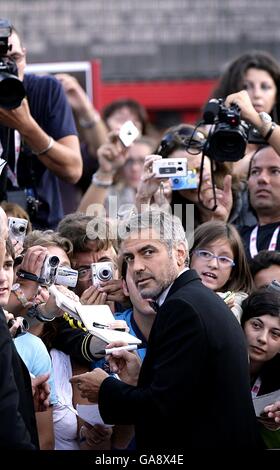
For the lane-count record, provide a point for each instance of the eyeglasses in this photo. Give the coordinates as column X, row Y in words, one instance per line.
column 207, row 256
column 84, row 273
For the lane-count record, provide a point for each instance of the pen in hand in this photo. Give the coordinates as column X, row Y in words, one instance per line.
column 100, row 325
column 129, row 347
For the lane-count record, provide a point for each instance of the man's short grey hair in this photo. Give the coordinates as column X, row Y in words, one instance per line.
column 167, row 227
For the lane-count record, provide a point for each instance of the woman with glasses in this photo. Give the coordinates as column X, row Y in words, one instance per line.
column 218, row 257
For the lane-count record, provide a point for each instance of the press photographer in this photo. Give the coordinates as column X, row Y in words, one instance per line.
column 38, row 137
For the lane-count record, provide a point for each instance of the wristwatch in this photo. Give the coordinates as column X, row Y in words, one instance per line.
column 265, row 117
column 20, row 295
column 266, row 120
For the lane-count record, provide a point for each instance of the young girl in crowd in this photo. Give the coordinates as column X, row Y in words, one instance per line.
column 261, row 324
column 218, row 257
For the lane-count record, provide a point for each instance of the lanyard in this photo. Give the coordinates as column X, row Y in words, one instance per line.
column 256, row 387
column 12, row 175
column 253, row 241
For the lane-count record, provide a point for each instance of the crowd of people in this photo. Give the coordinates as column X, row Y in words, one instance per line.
column 194, row 263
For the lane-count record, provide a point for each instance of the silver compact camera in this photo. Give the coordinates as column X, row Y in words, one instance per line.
column 49, row 270
column 17, row 228
column 66, row 276
column 168, row 167
column 101, row 272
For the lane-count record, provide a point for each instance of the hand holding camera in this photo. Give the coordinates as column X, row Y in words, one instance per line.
column 114, row 291
column 244, row 103
column 111, row 156
column 150, row 183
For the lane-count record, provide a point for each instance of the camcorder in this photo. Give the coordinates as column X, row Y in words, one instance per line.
column 49, row 269
column 65, row 276
column 229, row 135
column 101, row 272
column 52, row 273
column 17, row 228
column 12, row 90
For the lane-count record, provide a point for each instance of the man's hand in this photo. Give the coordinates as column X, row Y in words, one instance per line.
column 124, row 363
column 89, row 383
column 273, row 412
column 18, row 118
column 112, row 155
column 224, row 199
column 92, row 296
column 99, row 434
column 114, row 290
column 41, row 392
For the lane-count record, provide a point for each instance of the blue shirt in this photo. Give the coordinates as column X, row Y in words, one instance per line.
column 36, row 358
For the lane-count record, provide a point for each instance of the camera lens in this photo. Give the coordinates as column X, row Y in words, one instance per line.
column 21, row 229
column 176, row 180
column 53, row 261
column 105, row 274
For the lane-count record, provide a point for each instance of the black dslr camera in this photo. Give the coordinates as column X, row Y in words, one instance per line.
column 12, row 90
column 228, row 137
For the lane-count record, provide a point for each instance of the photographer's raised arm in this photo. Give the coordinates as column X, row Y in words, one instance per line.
column 91, row 125
column 149, row 185
column 269, row 130
column 111, row 157
column 62, row 157
column 25, row 290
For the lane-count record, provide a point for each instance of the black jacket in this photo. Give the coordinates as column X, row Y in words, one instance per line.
column 193, row 389
column 17, row 418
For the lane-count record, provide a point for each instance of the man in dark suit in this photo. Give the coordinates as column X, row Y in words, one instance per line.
column 17, row 419
column 193, row 389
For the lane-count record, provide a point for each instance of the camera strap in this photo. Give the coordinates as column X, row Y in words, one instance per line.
column 30, row 276
column 253, row 241
column 201, row 181
column 12, row 174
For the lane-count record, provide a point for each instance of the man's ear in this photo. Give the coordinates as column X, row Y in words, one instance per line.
column 125, row 289
column 181, row 254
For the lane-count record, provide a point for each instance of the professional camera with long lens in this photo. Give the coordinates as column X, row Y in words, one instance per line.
column 12, row 90
column 229, row 135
